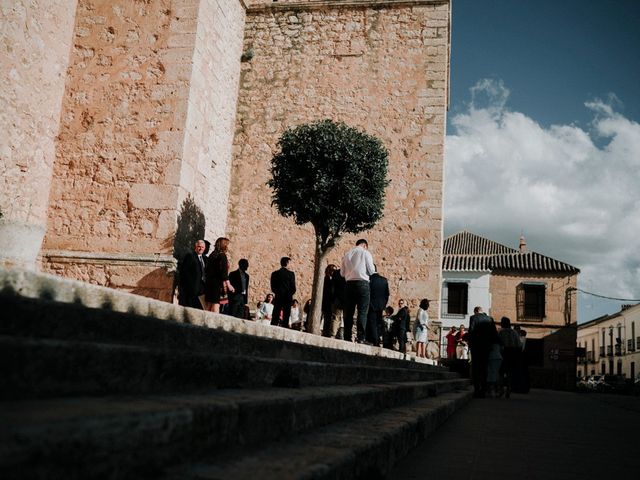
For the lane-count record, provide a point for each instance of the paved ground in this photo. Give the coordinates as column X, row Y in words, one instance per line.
column 543, row 435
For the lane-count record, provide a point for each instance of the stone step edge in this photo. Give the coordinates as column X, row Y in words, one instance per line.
column 30, row 284
column 48, row 368
column 36, row 318
column 365, row 447
column 46, row 430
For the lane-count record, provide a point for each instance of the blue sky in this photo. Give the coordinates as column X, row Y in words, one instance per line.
column 543, row 134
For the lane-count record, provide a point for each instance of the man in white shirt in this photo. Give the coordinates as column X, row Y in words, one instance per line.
column 357, row 266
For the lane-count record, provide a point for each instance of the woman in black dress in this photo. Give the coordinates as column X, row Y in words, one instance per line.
column 216, row 285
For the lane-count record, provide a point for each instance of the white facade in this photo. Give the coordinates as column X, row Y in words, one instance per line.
column 477, row 294
column 612, row 344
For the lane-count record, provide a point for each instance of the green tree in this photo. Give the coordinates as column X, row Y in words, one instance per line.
column 332, row 176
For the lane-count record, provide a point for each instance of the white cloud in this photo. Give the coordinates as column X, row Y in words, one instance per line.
column 574, row 193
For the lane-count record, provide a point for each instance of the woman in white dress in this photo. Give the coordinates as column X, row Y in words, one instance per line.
column 421, row 328
column 266, row 310
column 295, row 321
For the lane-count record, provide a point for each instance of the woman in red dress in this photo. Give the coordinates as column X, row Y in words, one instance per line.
column 451, row 343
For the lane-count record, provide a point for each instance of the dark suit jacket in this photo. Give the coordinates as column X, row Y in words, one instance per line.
column 191, row 284
column 379, row 292
column 236, row 283
column 283, row 283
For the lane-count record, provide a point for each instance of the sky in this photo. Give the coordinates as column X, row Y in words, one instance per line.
column 543, row 135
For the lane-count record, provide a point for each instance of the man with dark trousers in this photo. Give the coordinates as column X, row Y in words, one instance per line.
column 357, row 266
column 379, row 287
column 480, row 336
column 283, row 285
column 239, row 280
column 191, row 274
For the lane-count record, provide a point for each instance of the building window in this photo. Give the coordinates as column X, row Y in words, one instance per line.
column 619, row 367
column 531, row 302
column 602, row 369
column 457, row 298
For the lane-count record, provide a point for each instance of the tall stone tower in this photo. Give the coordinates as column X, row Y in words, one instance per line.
column 172, row 99
column 379, row 65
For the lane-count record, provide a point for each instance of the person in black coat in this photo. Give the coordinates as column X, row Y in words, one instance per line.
column 191, row 273
column 239, row 280
column 401, row 322
column 379, row 296
column 283, row 285
column 328, row 317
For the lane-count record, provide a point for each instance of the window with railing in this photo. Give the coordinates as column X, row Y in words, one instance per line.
column 530, row 301
column 631, row 347
column 602, row 351
column 457, row 298
column 591, row 357
column 618, row 349
column 609, row 351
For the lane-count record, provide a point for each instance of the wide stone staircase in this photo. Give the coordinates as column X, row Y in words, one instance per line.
column 103, row 384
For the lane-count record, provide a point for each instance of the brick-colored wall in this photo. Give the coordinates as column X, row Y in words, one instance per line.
column 382, row 69
column 503, row 287
column 149, row 106
column 35, row 43
column 116, row 177
column 210, row 127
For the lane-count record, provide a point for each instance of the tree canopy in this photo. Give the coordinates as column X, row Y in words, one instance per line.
column 330, row 175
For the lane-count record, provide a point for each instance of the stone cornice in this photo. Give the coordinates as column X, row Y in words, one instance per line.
column 69, row 256
column 323, row 4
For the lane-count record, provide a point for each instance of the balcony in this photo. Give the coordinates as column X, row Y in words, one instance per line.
column 602, row 351
column 618, row 350
column 591, row 358
column 609, row 351
column 631, row 346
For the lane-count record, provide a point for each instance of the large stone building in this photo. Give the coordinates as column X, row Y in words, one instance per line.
column 115, row 112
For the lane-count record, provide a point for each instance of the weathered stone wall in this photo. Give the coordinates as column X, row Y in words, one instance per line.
column 117, row 171
column 210, row 127
column 503, row 300
column 149, row 103
column 382, row 69
column 35, row 42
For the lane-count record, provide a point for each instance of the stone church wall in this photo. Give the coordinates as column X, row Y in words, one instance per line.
column 147, row 119
column 382, row 68
column 35, row 42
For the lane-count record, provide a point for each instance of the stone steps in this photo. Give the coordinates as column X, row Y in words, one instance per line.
column 360, row 448
column 104, row 384
column 118, row 436
column 38, row 368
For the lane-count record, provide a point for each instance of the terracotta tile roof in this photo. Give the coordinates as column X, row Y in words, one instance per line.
column 466, row 251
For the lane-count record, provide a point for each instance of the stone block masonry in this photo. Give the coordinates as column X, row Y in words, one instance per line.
column 147, row 119
column 35, row 41
column 380, row 66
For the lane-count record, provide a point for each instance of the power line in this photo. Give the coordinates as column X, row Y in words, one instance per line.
column 604, row 296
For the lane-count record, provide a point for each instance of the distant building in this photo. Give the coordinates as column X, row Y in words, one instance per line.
column 611, row 344
column 533, row 290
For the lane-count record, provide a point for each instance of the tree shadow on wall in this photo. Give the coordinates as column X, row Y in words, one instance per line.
column 190, row 228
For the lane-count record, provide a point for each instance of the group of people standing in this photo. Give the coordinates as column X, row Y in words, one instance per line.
column 497, row 358
column 205, row 281
column 355, row 290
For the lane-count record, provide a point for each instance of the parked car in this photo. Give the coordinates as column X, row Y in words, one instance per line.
column 593, row 381
column 613, row 383
column 581, row 384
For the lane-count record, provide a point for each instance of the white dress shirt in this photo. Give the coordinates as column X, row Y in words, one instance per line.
column 357, row 264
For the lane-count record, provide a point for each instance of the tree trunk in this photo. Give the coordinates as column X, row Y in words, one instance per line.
column 319, row 264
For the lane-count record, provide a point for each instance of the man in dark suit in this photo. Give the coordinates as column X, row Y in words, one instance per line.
column 379, row 288
column 239, row 280
column 191, row 272
column 283, row 285
column 479, row 338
